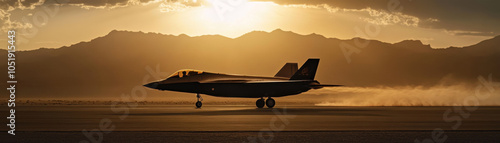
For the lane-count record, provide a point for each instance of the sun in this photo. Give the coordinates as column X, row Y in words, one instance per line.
column 228, row 10
column 230, row 18
column 232, row 11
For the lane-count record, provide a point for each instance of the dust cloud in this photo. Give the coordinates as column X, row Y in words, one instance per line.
column 441, row 95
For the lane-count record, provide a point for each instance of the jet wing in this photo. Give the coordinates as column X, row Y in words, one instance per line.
column 318, row 86
column 326, row 85
column 252, row 81
column 226, row 81
column 247, row 81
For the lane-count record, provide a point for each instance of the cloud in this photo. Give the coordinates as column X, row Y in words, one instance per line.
column 9, row 6
column 462, row 15
column 99, row 4
column 379, row 17
column 383, row 17
column 5, row 16
column 470, row 33
column 178, row 5
column 324, row 6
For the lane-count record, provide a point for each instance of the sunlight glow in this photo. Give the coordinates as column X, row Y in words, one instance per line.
column 221, row 17
column 238, row 12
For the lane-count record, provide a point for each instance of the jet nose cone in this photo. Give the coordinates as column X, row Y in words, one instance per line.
column 153, row 85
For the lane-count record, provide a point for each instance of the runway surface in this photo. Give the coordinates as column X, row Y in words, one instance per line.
column 181, row 123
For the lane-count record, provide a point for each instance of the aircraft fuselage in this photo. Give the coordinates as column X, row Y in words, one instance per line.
column 288, row 81
column 224, row 85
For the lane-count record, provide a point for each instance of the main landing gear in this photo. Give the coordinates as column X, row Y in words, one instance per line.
column 198, row 103
column 260, row 102
column 269, row 102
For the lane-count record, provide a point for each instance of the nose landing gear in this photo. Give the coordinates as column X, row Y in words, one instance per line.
column 198, row 103
column 269, row 102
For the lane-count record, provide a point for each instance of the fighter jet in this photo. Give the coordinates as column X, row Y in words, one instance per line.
column 288, row 81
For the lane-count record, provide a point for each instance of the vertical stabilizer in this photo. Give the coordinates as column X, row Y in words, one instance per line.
column 307, row 71
column 287, row 70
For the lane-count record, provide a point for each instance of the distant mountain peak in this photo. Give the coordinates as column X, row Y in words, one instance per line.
column 123, row 32
column 496, row 38
column 183, row 35
column 257, row 33
column 489, row 43
column 113, row 31
column 414, row 44
column 411, row 42
column 280, row 31
column 118, row 31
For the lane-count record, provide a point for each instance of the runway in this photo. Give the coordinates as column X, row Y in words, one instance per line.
column 231, row 123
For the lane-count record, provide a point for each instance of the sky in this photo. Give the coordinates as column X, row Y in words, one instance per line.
column 444, row 23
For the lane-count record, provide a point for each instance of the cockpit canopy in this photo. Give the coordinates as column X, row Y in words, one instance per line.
column 185, row 72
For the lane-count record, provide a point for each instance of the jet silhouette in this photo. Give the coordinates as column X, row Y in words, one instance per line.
column 288, row 81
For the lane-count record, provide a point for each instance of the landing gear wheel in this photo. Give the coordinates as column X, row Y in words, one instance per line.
column 260, row 103
column 198, row 104
column 270, row 102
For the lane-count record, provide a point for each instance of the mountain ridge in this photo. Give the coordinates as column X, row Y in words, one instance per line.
column 260, row 33
column 119, row 61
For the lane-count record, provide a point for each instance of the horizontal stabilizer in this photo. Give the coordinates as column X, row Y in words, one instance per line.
column 318, row 86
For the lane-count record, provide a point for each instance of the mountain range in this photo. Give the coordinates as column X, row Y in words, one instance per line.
column 108, row 66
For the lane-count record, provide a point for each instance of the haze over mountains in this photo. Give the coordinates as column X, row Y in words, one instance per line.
column 112, row 65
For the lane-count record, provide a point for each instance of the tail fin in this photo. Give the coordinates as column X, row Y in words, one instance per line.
column 287, row 70
column 307, row 71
